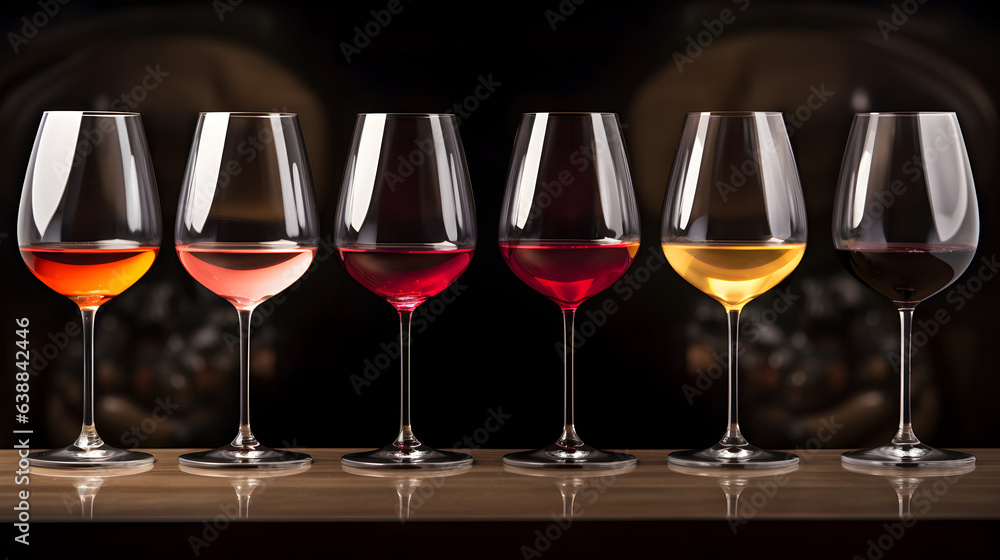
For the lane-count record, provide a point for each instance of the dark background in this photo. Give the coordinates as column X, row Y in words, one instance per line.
column 167, row 341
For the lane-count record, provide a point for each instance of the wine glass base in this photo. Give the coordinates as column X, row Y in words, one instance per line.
column 907, row 456
column 417, row 457
column 73, row 457
column 733, row 457
column 581, row 457
column 260, row 457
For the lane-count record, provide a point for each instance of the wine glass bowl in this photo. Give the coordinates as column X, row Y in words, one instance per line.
column 906, row 224
column 405, row 231
column 89, row 228
column 734, row 226
column 569, row 228
column 246, row 229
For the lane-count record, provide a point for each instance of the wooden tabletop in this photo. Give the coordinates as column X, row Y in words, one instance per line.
column 819, row 488
column 488, row 511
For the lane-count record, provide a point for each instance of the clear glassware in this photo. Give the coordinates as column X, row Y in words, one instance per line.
column 906, row 224
column 569, row 228
column 406, row 229
column 734, row 226
column 89, row 227
column 246, row 229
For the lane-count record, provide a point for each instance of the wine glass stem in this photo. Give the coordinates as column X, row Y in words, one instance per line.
column 568, row 437
column 905, row 434
column 88, row 433
column 733, row 436
column 245, row 439
column 405, row 439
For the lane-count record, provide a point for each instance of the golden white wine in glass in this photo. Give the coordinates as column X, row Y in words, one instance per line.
column 734, row 226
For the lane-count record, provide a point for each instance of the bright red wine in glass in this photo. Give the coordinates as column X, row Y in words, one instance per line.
column 407, row 275
column 569, row 242
column 568, row 272
column 406, row 236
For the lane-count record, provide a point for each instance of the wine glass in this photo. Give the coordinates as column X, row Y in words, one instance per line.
column 569, row 228
column 246, row 229
column 406, row 229
column 734, row 225
column 906, row 224
column 89, row 227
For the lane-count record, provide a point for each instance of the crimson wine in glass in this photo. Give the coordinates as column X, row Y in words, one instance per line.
column 246, row 230
column 89, row 228
column 734, row 226
column 406, row 229
column 906, row 224
column 569, row 229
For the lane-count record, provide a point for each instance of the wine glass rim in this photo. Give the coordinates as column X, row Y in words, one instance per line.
column 734, row 113
column 903, row 113
column 249, row 114
column 571, row 113
column 414, row 115
column 96, row 113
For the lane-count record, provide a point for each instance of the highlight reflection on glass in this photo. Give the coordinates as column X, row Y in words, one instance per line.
column 414, row 487
column 905, row 481
column 88, row 482
column 734, row 481
column 88, row 227
column 571, row 482
column 245, row 482
column 734, row 226
column 246, row 229
column 906, row 224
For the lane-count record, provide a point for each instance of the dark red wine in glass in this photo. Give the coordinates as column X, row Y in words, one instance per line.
column 406, row 236
column 906, row 272
column 569, row 229
column 906, row 224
